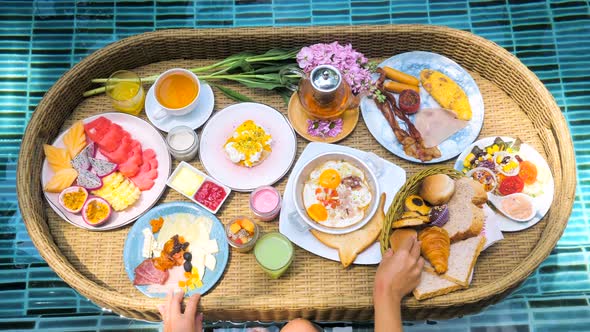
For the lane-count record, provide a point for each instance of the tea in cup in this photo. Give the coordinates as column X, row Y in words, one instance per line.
column 176, row 92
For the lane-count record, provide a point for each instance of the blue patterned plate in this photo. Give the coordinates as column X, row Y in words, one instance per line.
column 134, row 243
column 412, row 63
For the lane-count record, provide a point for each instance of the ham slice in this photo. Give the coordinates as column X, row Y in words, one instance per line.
column 147, row 274
column 436, row 125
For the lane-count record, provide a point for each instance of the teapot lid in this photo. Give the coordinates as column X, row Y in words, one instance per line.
column 325, row 78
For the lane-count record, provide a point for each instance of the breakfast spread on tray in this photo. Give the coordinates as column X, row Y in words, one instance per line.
column 104, row 166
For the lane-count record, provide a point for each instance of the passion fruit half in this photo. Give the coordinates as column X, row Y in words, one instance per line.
column 96, row 211
column 73, row 198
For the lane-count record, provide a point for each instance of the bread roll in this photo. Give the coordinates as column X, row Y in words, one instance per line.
column 399, row 236
column 437, row 189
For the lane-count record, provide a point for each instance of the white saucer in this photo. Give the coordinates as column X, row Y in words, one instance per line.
column 193, row 119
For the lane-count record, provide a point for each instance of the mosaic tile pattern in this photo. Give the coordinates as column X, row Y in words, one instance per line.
column 40, row 40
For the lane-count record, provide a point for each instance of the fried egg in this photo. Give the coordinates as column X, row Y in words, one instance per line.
column 336, row 194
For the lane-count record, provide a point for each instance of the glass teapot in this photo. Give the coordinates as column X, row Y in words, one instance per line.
column 324, row 94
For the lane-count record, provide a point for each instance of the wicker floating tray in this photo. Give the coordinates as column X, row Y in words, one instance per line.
column 516, row 103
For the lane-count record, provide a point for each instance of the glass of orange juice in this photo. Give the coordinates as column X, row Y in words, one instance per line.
column 126, row 92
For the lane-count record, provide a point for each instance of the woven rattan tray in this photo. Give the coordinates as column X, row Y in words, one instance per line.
column 516, row 103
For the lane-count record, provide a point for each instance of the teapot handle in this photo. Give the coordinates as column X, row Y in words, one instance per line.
column 288, row 74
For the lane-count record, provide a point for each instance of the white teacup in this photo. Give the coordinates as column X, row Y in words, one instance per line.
column 164, row 111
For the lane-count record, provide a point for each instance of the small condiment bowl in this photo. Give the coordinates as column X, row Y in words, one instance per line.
column 246, row 246
column 497, row 202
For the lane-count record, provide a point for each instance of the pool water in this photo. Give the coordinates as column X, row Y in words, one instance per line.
column 40, row 40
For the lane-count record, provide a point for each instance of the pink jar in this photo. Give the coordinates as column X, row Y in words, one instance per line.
column 265, row 203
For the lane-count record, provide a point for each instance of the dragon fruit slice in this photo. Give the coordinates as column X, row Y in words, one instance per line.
column 102, row 167
column 90, row 150
column 81, row 162
column 89, row 180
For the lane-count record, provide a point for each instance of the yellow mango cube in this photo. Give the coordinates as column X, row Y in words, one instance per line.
column 234, row 228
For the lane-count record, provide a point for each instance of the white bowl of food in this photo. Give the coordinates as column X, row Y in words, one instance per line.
column 336, row 193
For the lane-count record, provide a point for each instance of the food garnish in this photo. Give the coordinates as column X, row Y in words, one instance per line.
column 446, row 92
column 73, row 198
column 249, row 145
column 409, row 101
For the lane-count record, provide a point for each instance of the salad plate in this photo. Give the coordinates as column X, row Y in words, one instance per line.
column 223, row 125
column 192, row 214
column 412, row 63
column 517, row 168
column 149, row 138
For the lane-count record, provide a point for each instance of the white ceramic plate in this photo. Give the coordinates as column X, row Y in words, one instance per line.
column 149, row 138
column 222, row 125
column 541, row 203
column 194, row 119
column 413, row 63
column 391, row 179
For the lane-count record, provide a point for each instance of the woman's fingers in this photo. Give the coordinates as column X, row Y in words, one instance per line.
column 191, row 306
column 407, row 244
column 169, row 302
column 176, row 301
column 199, row 322
column 163, row 311
column 415, row 253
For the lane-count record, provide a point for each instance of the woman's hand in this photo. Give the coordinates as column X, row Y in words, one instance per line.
column 175, row 320
column 399, row 272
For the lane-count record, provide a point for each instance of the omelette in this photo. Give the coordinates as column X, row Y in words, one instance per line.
column 446, row 92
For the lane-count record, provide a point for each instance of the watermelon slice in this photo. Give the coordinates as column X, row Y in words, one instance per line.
column 121, row 154
column 111, row 140
column 97, row 128
column 131, row 166
column 144, row 180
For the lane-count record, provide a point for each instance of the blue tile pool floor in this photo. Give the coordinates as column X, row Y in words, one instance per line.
column 40, row 40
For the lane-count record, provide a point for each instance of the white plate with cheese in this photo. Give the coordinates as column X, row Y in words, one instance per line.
column 203, row 231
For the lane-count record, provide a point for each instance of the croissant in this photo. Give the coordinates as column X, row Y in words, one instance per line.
column 435, row 246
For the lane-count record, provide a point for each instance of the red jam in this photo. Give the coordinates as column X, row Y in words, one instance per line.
column 210, row 195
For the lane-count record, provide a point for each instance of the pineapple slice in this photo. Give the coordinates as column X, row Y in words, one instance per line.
column 119, row 191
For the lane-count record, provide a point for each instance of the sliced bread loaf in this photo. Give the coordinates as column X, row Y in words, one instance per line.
column 432, row 285
column 462, row 260
column 465, row 219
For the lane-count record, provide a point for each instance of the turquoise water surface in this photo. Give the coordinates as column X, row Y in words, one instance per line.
column 40, row 40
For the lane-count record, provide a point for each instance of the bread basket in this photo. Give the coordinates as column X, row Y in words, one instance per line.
column 411, row 187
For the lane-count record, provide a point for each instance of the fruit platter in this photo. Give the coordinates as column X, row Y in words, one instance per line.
column 98, row 175
column 175, row 202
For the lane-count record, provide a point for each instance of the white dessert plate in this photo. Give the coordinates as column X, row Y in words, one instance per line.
column 544, row 185
column 391, row 179
column 194, row 119
column 149, row 138
column 222, row 125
